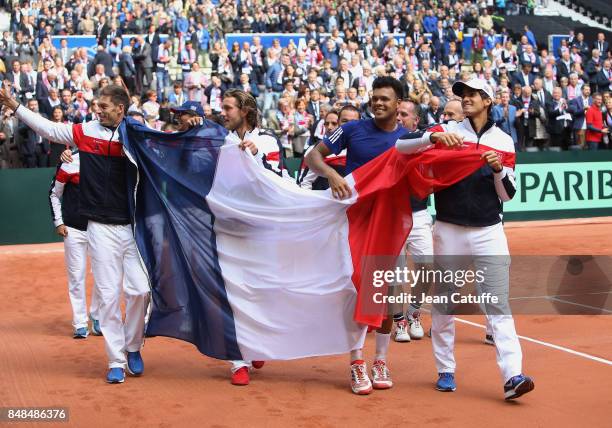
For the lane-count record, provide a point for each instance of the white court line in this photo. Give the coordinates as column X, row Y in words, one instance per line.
column 560, row 295
column 549, row 345
column 556, row 299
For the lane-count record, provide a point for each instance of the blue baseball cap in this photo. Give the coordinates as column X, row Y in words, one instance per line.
column 192, row 107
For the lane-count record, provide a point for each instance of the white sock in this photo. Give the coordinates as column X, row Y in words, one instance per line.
column 382, row 344
column 356, row 354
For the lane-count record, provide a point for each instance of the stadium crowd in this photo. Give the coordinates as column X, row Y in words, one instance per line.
column 544, row 100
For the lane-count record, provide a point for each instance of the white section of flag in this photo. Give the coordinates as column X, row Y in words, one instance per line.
column 282, row 308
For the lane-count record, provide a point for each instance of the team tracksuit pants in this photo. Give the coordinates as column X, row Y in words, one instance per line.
column 117, row 267
column 75, row 255
column 490, row 243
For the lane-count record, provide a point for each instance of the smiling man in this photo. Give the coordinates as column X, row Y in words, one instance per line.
column 115, row 262
column 469, row 224
column 364, row 140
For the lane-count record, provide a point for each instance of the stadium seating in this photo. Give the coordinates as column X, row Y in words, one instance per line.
column 598, row 10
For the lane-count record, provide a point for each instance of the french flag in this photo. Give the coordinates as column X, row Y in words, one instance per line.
column 246, row 265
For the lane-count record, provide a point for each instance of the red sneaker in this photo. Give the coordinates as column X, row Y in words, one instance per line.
column 258, row 364
column 240, row 377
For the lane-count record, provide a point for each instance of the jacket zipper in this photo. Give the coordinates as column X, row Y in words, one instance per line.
column 478, row 137
column 108, row 162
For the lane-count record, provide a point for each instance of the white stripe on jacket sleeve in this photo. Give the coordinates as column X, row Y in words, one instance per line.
column 55, row 132
column 413, row 142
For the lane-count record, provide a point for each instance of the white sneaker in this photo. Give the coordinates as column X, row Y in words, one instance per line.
column 401, row 332
column 360, row 382
column 381, row 378
column 416, row 329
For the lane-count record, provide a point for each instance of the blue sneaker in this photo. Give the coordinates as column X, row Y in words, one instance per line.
column 95, row 327
column 517, row 386
column 115, row 375
column 446, row 382
column 80, row 333
column 135, row 365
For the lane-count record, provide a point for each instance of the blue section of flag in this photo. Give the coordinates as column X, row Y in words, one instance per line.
column 175, row 235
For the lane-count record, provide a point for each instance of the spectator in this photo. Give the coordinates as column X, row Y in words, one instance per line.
column 177, row 97
column 195, row 83
column 161, row 70
column 33, row 149
column 528, row 111
column 582, row 46
column 595, row 128
column 48, row 104
column 151, row 107
column 592, row 68
column 603, row 79
column 478, row 44
column 9, row 147
column 127, row 68
column 541, row 137
column 530, row 37
column 578, row 108
column 214, row 94
column 433, row 112
column 601, row 45
column 559, row 120
column 505, row 116
column 485, row 22
column 302, row 122
column 608, row 122
column 103, row 58
column 524, row 77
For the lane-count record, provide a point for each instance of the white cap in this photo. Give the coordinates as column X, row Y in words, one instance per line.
column 478, row 84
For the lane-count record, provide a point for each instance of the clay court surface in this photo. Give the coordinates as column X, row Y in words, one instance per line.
column 41, row 365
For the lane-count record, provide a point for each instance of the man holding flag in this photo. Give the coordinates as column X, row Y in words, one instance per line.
column 469, row 223
column 239, row 111
column 364, row 140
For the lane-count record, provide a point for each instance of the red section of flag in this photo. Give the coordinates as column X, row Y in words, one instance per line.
column 381, row 218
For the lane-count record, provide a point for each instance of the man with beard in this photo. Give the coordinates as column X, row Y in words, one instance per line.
column 241, row 119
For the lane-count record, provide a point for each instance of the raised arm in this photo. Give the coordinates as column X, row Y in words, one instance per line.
column 56, row 132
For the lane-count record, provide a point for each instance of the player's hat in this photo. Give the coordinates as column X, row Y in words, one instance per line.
column 478, row 84
column 192, row 107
